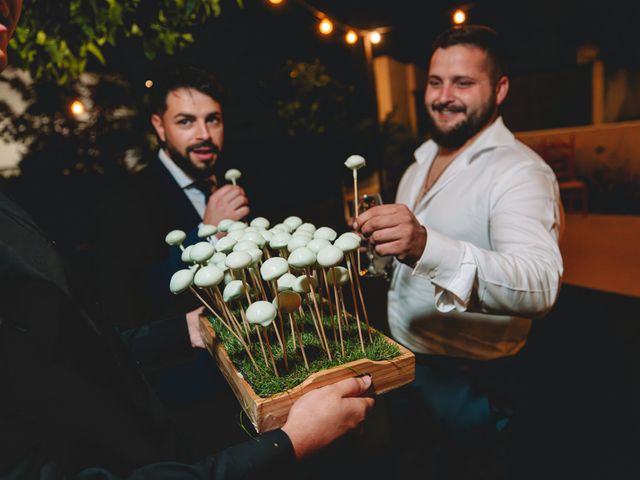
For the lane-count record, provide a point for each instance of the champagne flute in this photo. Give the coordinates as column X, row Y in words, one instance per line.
column 376, row 265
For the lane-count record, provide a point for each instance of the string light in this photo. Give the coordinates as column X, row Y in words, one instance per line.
column 148, row 83
column 275, row 2
column 325, row 26
column 77, row 108
column 351, row 37
column 459, row 17
column 375, row 37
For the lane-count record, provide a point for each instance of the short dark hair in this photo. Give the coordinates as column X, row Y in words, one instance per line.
column 184, row 76
column 479, row 36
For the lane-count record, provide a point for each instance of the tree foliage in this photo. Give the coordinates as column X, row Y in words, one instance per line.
column 54, row 40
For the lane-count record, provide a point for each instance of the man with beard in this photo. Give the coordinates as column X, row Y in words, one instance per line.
column 474, row 232
column 74, row 405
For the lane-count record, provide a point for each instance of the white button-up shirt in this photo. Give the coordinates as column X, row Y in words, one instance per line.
column 195, row 196
column 491, row 262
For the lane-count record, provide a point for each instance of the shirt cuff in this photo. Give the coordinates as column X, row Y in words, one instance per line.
column 449, row 265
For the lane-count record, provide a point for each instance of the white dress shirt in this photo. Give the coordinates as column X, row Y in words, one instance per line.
column 195, row 196
column 491, row 262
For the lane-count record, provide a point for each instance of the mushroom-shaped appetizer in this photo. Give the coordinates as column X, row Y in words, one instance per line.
column 330, row 256
column 338, row 275
column 355, row 162
column 292, row 222
column 180, row 281
column 234, row 290
column 225, row 244
column 297, row 242
column 286, row 281
column 347, row 243
column 237, row 226
column 280, row 240
column 267, row 234
column 282, row 226
column 208, row 277
column 244, row 245
column 256, row 255
column 255, row 237
column 232, row 175
column 287, row 301
column 175, row 237
column 260, row 222
column 304, row 283
column 186, row 254
column 237, row 260
column 236, row 234
column 307, row 227
column 261, row 313
column 218, row 257
column 273, row 268
column 224, row 224
column 302, row 258
column 325, row 232
column 201, row 252
column 317, row 244
column 206, row 231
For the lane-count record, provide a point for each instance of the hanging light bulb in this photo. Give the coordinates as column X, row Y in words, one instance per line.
column 148, row 83
column 77, row 108
column 275, row 2
column 375, row 37
column 325, row 26
column 459, row 17
column 351, row 37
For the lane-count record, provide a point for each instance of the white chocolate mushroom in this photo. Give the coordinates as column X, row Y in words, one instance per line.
column 338, row 275
column 355, row 162
column 301, row 258
column 237, row 226
column 238, row 260
column 208, row 277
column 186, row 254
column 330, row 256
column 232, row 175
column 218, row 257
column 175, row 237
column 234, row 290
column 280, row 240
column 273, row 268
column 228, row 278
column 287, row 301
column 206, row 231
column 317, row 244
column 286, row 281
column 180, row 281
column 347, row 243
column 201, row 252
column 261, row 313
column 297, row 242
column 260, row 222
column 255, row 237
column 236, row 234
column 351, row 234
column 244, row 245
column 224, row 224
column 283, row 227
column 225, row 244
column 292, row 222
column 267, row 234
column 326, row 232
column 301, row 285
column 307, row 227
column 256, row 255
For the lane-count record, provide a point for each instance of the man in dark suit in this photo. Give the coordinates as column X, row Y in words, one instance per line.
column 175, row 191
column 73, row 403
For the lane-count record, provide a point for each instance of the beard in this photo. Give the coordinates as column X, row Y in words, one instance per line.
column 188, row 166
column 459, row 134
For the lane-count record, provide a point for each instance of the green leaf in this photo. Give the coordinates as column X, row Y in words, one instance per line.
column 93, row 48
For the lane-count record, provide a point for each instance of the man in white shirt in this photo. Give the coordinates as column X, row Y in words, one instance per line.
column 475, row 232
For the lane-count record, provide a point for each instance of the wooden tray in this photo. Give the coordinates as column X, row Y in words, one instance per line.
column 269, row 413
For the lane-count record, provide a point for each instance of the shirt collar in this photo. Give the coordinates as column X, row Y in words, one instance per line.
column 181, row 178
column 496, row 135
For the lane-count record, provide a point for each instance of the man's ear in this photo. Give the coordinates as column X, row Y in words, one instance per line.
column 158, row 125
column 502, row 88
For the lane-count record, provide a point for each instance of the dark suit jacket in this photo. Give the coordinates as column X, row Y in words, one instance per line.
column 71, row 398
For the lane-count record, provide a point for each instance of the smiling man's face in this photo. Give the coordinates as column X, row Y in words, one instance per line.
column 9, row 14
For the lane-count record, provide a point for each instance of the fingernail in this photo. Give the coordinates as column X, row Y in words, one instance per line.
column 367, row 381
column 355, row 226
